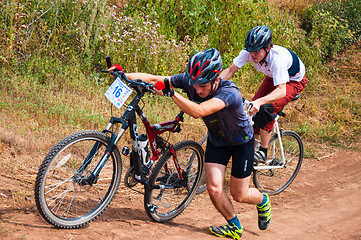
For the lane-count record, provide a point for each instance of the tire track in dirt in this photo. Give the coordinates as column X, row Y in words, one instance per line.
column 322, row 203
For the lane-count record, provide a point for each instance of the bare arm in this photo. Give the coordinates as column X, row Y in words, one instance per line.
column 229, row 72
column 273, row 96
column 150, row 78
column 198, row 110
column 191, row 108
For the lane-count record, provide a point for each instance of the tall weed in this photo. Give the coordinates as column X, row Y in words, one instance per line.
column 331, row 26
column 55, row 47
column 136, row 43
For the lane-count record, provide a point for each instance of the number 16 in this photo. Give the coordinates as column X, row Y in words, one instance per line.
column 117, row 91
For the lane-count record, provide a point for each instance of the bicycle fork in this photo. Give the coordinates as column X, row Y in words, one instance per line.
column 93, row 177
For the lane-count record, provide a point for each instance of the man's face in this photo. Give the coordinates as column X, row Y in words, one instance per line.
column 203, row 90
column 258, row 56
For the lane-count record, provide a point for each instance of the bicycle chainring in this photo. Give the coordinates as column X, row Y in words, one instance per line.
column 129, row 178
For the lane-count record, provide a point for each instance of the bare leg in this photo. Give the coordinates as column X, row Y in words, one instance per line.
column 215, row 179
column 240, row 190
column 265, row 137
column 242, row 193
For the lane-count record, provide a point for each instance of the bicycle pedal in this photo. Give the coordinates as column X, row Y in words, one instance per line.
column 257, row 161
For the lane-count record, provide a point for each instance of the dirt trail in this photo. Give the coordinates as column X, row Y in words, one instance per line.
column 322, row 203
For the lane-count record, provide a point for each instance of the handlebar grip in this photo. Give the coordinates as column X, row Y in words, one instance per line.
column 109, row 62
column 180, row 116
column 166, row 85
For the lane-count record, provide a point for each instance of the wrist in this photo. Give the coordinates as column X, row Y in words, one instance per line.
column 169, row 93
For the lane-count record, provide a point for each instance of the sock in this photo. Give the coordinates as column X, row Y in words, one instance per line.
column 263, row 150
column 263, row 201
column 236, row 222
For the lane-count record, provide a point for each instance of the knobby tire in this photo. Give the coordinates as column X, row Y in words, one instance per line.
column 165, row 204
column 61, row 196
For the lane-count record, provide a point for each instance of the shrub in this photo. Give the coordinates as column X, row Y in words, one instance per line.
column 348, row 10
column 329, row 30
column 225, row 23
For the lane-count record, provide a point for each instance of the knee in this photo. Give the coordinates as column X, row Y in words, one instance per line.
column 240, row 197
column 214, row 191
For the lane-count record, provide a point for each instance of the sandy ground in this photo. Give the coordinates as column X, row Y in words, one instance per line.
column 322, row 203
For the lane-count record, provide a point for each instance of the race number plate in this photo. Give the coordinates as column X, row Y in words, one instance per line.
column 118, row 93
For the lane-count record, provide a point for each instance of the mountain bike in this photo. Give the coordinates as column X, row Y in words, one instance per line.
column 80, row 175
column 284, row 160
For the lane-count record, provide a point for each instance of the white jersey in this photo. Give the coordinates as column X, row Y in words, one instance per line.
column 281, row 64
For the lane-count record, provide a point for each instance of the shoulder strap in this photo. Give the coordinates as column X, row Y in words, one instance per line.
column 295, row 67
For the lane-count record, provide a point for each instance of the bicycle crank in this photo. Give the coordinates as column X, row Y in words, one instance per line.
column 129, row 178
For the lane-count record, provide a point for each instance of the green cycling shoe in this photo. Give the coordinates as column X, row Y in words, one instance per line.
column 264, row 214
column 229, row 230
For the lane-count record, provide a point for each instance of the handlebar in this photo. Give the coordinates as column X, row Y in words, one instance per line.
column 137, row 84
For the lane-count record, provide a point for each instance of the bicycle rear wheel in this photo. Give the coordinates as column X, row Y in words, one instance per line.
column 174, row 192
column 203, row 184
column 275, row 180
column 63, row 196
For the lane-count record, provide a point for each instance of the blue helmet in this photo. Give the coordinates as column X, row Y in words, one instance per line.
column 257, row 38
column 204, row 67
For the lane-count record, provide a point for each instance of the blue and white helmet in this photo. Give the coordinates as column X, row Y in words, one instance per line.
column 257, row 38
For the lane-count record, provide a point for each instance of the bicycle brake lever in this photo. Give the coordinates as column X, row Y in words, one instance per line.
column 249, row 107
column 250, row 120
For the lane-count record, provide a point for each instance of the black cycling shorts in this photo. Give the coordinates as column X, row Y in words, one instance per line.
column 242, row 157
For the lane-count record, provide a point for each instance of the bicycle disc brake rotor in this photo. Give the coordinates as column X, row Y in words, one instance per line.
column 172, row 179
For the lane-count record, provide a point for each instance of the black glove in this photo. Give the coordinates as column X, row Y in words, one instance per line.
column 167, row 91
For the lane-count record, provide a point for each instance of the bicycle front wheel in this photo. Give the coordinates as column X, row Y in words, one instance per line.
column 63, row 193
column 174, row 182
column 276, row 175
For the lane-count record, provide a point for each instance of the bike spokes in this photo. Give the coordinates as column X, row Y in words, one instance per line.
column 278, row 173
column 171, row 192
column 63, row 192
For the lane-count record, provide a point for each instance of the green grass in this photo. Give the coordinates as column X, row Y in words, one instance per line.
column 51, row 55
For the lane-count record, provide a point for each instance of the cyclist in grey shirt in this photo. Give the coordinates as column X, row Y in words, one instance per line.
column 228, row 126
column 219, row 103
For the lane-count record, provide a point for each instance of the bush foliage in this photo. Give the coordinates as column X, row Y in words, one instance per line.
column 155, row 36
column 332, row 26
column 58, row 46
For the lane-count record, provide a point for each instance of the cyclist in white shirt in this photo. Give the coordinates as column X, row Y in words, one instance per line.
column 284, row 80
